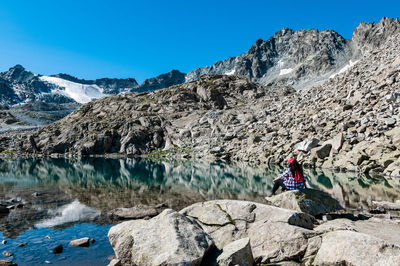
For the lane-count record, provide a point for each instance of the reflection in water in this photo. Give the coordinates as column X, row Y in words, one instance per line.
column 105, row 184
column 72, row 212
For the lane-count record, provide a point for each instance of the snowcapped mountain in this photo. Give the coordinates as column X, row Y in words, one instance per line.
column 81, row 93
column 20, row 86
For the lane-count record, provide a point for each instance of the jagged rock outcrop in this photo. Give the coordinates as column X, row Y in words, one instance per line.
column 369, row 36
column 302, row 58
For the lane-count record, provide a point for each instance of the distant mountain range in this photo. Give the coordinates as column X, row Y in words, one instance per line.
column 19, row 86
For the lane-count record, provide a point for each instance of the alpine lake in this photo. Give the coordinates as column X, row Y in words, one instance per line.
column 59, row 200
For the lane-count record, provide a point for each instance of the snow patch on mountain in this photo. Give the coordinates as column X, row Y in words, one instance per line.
column 345, row 68
column 285, row 71
column 81, row 93
column 230, row 73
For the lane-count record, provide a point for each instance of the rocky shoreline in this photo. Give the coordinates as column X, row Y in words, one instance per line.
column 231, row 232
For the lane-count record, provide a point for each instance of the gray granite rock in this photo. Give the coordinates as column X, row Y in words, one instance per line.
column 167, row 239
column 352, row 248
column 81, row 242
column 311, row 201
column 236, row 253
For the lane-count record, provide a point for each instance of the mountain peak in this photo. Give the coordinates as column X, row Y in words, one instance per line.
column 368, row 36
column 17, row 66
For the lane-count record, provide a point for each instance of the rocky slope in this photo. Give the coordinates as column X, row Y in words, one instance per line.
column 302, row 58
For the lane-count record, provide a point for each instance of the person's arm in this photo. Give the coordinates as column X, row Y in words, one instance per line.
column 278, row 178
column 281, row 176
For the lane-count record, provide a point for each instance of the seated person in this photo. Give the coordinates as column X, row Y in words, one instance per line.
column 291, row 179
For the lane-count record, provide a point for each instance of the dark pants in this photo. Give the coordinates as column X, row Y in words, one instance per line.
column 278, row 183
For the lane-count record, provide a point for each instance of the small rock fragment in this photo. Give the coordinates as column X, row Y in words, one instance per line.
column 7, row 254
column 82, row 242
column 22, row 244
column 58, row 249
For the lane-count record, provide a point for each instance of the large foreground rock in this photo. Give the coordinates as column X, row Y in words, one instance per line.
column 352, row 248
column 167, row 239
column 275, row 234
column 311, row 201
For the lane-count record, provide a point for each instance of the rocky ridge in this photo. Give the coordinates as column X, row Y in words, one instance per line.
column 303, row 58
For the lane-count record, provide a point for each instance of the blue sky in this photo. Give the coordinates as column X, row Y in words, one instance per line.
column 141, row 39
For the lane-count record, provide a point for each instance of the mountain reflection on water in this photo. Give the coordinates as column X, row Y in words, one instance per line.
column 104, row 184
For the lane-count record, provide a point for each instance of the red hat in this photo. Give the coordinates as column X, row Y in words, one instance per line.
column 291, row 160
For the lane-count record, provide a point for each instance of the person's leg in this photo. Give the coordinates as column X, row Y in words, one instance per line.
column 277, row 184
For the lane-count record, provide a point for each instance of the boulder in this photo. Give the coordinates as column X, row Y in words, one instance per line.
column 274, row 241
column 82, row 242
column 275, row 234
column 236, row 253
column 352, row 248
column 323, row 151
column 311, row 201
column 137, row 212
column 167, row 239
column 307, row 145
